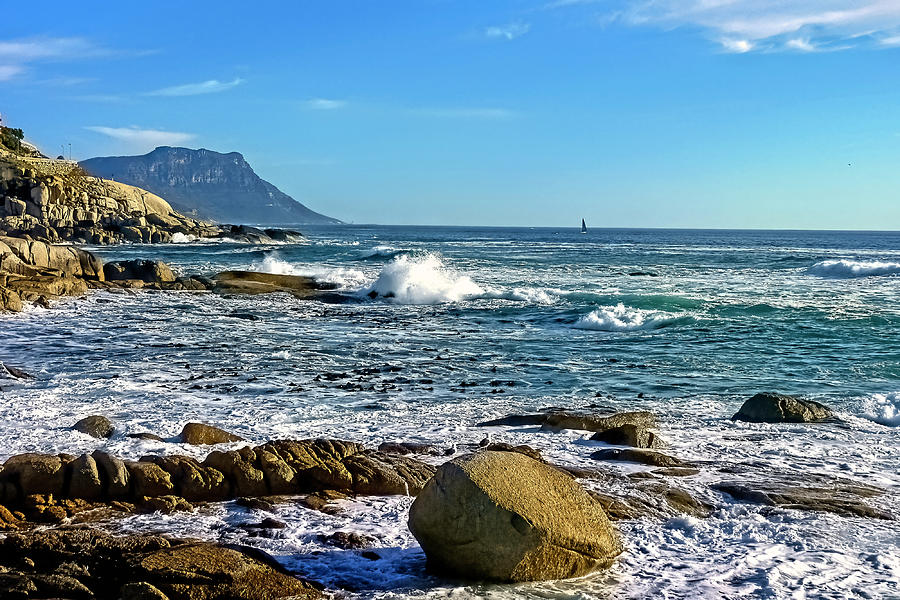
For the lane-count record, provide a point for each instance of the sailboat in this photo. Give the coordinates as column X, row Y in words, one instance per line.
column 583, row 227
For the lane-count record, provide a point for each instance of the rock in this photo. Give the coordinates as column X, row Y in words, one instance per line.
column 144, row 435
column 408, row 448
column 808, row 492
column 557, row 419
column 255, row 504
column 141, row 590
column 253, row 282
column 192, row 480
column 347, row 540
column 635, row 436
column 164, row 504
column 148, row 271
column 96, row 426
column 114, row 473
column 777, row 408
column 34, row 473
column 148, row 479
column 522, row 449
column 85, row 479
column 198, row 434
column 15, row 373
column 502, row 516
column 88, row 563
column 644, row 457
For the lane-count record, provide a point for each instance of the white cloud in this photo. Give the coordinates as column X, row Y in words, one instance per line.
column 212, row 86
column 468, row 113
column 24, row 50
column 143, row 138
column 770, row 25
column 325, row 104
column 507, row 32
column 737, row 46
column 9, row 71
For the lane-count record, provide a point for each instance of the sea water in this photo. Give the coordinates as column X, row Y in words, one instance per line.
column 439, row 328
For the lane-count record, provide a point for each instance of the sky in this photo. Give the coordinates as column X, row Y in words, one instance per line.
column 628, row 113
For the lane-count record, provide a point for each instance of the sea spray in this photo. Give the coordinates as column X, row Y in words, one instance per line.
column 422, row 280
column 626, row 318
column 847, row 269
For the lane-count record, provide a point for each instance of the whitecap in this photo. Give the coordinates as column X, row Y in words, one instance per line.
column 181, row 238
column 883, row 409
column 380, row 252
column 848, row 269
column 626, row 318
column 422, row 280
column 272, row 264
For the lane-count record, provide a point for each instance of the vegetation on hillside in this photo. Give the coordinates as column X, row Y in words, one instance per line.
column 11, row 139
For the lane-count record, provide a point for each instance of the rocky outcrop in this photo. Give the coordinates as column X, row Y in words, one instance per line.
column 502, row 516
column 253, row 282
column 148, row 271
column 778, row 408
column 586, row 420
column 636, row 436
column 279, row 467
column 88, row 563
column 644, row 457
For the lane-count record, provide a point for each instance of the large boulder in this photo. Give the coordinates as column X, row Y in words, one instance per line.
column 34, row 473
column 148, row 271
column 96, row 426
column 253, row 282
column 502, row 516
column 200, row 434
column 778, row 408
column 585, row 420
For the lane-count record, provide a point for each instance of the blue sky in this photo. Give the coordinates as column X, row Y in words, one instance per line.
column 663, row 113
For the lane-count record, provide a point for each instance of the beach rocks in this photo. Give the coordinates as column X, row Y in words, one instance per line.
column 644, row 457
column 778, row 408
column 200, row 434
column 253, row 282
column 502, row 516
column 636, row 436
column 148, row 271
column 87, row 563
column 96, row 426
column 13, row 372
column 587, row 420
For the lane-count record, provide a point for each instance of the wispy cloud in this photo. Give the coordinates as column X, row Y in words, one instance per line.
column 468, row 113
column 9, row 71
column 324, row 104
column 212, row 86
column 769, row 25
column 143, row 138
column 509, row 31
column 25, row 50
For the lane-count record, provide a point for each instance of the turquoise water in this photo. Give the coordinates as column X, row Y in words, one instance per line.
column 473, row 323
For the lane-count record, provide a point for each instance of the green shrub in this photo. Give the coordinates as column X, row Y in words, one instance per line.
column 11, row 138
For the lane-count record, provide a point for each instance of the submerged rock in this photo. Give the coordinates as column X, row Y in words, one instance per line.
column 778, row 408
column 636, row 436
column 586, row 420
column 502, row 516
column 253, row 282
column 15, row 373
column 96, row 426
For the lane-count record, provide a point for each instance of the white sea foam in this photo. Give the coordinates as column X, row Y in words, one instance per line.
column 422, row 280
column 272, row 264
column 380, row 252
column 625, row 318
column 181, row 238
column 344, row 279
column 883, row 409
column 848, row 269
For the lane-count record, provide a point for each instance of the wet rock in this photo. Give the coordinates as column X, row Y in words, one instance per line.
column 644, row 457
column 677, row 471
column 34, row 473
column 804, row 492
column 267, row 523
column 14, row 372
column 778, row 408
column 192, row 480
column 522, row 449
column 164, row 504
column 199, row 434
column 409, row 448
column 148, row 271
column 502, row 516
column 635, row 436
column 114, row 473
column 144, row 435
column 558, row 419
column 85, row 479
column 255, row 504
column 253, row 282
column 347, row 540
column 149, row 480
column 87, row 563
column 96, row 426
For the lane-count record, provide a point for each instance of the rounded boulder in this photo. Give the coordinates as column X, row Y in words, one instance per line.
column 502, row 516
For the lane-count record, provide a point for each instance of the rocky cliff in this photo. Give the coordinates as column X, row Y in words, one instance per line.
column 207, row 184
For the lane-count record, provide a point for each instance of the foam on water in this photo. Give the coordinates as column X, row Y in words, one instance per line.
column 181, row 238
column 846, row 269
column 626, row 318
column 380, row 252
column 883, row 409
column 422, row 280
column 345, row 279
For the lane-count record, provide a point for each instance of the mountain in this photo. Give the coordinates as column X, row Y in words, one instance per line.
column 206, row 184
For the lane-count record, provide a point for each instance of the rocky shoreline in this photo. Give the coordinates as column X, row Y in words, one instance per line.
column 490, row 512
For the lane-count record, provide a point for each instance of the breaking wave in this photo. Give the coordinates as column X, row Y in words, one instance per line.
column 626, row 318
column 380, row 252
column 422, row 280
column 883, row 409
column 344, row 279
column 848, row 269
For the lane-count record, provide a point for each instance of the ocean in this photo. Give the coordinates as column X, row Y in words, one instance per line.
column 439, row 328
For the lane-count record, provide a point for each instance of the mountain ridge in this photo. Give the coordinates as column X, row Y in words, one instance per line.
column 207, row 184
